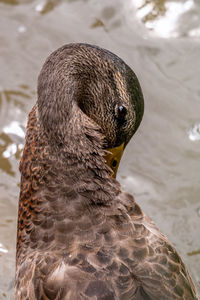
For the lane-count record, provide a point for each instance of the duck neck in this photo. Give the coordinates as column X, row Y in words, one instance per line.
column 76, row 161
column 56, row 182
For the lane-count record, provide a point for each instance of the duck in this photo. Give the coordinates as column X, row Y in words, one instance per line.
column 79, row 235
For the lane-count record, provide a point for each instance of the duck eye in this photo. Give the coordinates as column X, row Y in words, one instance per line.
column 121, row 112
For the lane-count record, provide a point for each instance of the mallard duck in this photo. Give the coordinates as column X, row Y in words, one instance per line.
column 79, row 235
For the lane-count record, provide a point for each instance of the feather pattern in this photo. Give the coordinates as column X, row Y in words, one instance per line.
column 79, row 235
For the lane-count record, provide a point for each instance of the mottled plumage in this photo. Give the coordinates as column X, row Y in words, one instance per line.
column 79, row 235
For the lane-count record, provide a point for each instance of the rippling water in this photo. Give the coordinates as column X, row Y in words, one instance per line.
column 161, row 166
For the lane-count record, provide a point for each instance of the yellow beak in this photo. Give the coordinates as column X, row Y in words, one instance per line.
column 113, row 158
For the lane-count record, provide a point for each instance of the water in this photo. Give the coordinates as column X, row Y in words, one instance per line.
column 161, row 166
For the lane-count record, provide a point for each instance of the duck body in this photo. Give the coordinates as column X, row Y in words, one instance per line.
column 79, row 235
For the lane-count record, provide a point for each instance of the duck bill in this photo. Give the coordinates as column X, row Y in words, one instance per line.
column 113, row 158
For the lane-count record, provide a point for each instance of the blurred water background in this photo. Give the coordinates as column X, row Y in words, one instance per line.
column 160, row 40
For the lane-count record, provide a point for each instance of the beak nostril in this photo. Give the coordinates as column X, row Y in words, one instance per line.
column 114, row 163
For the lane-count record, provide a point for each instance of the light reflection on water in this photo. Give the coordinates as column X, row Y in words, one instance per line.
column 161, row 165
column 3, row 249
column 166, row 26
column 194, row 133
column 164, row 18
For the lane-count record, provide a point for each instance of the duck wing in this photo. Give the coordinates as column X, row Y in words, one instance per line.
column 152, row 260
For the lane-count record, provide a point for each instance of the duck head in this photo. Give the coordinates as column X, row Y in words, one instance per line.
column 89, row 95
